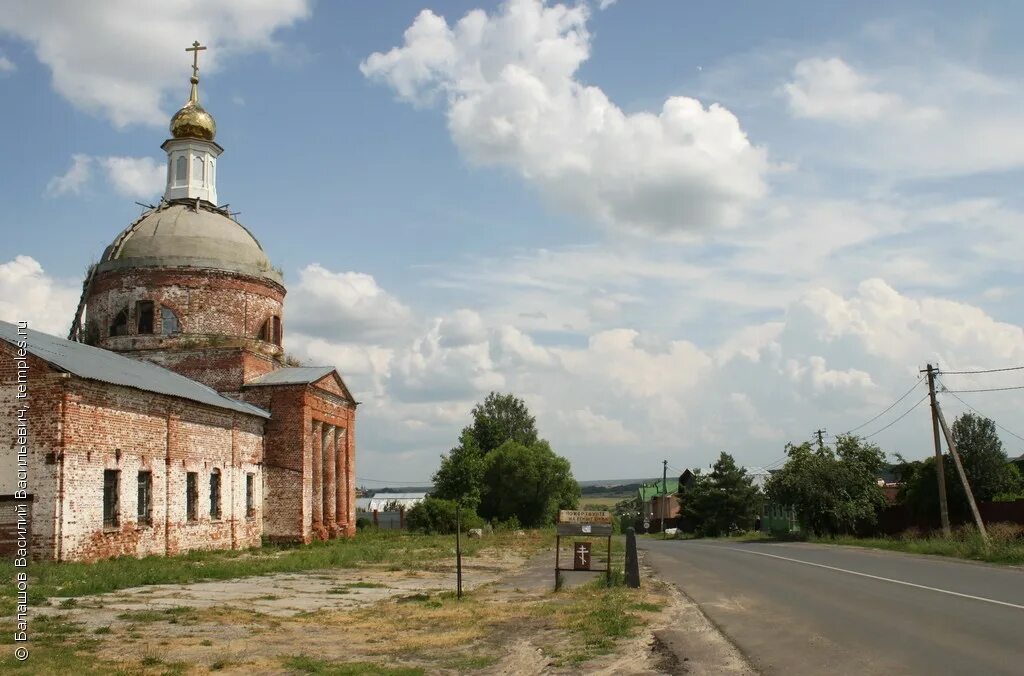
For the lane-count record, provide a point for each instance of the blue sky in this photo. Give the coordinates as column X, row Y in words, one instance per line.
column 675, row 228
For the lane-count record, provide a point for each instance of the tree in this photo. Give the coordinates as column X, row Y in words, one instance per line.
column 460, row 477
column 831, row 491
column 502, row 469
column 986, row 465
column 529, row 482
column 723, row 499
column 436, row 516
column 501, row 418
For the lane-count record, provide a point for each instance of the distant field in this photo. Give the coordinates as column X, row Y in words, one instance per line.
column 603, row 500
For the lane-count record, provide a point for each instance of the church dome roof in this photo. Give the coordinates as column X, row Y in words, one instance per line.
column 189, row 235
column 192, row 120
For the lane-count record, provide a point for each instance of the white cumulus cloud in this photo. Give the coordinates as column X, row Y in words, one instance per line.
column 831, row 89
column 28, row 293
column 138, row 177
column 73, row 180
column 508, row 82
column 344, row 306
column 120, row 59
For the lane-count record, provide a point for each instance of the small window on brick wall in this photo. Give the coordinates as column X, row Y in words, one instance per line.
column 192, row 496
column 119, row 327
column 145, row 498
column 250, row 494
column 144, row 316
column 111, row 498
column 271, row 330
column 215, row 494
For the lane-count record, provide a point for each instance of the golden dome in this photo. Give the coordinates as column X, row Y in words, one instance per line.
column 193, row 121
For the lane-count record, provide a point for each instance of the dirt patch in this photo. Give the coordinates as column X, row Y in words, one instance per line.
column 510, row 621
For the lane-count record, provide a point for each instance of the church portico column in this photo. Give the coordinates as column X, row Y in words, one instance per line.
column 318, row 486
column 341, row 476
column 330, row 504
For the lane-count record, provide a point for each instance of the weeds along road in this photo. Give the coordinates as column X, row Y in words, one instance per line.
column 797, row 608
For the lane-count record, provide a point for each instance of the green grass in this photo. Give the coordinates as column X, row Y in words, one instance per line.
column 598, row 616
column 175, row 615
column 397, row 550
column 308, row 665
column 1007, row 543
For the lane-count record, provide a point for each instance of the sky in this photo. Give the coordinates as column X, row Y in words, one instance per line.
column 673, row 228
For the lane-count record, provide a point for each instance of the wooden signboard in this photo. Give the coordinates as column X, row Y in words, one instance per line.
column 584, row 516
column 602, row 529
column 577, row 522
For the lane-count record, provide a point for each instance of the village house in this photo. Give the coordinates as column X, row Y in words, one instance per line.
column 169, row 420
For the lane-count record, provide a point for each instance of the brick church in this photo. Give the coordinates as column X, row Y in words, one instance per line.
column 169, row 420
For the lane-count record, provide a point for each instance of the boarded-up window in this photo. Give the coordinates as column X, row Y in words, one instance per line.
column 192, row 496
column 181, row 169
column 215, row 494
column 144, row 317
column 168, row 321
column 250, row 494
column 111, row 498
column 145, row 498
column 120, row 325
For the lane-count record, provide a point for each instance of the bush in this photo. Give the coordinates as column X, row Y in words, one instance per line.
column 362, row 523
column 510, row 524
column 437, row 516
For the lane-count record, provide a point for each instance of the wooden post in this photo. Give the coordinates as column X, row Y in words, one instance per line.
column 963, row 477
column 558, row 547
column 608, row 568
column 458, row 551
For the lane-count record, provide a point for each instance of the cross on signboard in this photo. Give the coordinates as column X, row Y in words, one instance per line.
column 195, row 49
column 581, row 561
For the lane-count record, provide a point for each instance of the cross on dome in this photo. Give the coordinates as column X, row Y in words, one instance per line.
column 195, row 49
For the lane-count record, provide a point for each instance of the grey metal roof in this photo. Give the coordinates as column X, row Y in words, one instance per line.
column 180, row 234
column 292, row 375
column 93, row 363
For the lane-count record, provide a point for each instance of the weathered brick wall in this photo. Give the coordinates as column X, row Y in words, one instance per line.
column 326, row 403
column 44, row 399
column 209, row 304
column 80, row 428
column 219, row 368
column 287, row 467
column 289, row 452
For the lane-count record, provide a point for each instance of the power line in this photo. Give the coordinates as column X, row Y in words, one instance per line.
column 891, row 407
column 962, row 373
column 905, row 414
column 987, row 389
column 1010, row 432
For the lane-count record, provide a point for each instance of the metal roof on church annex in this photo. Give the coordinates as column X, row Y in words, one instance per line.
column 93, row 363
column 292, row 375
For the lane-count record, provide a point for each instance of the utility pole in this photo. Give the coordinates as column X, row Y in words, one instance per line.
column 940, row 470
column 664, row 495
column 963, row 477
column 821, row 440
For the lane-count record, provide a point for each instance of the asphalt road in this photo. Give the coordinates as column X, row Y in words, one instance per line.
column 796, row 608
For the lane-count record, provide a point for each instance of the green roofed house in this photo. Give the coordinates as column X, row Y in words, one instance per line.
column 658, row 501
